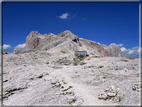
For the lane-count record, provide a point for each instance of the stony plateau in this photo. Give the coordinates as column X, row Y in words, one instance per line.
column 46, row 72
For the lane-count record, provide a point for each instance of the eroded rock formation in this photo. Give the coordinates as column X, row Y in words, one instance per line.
column 36, row 41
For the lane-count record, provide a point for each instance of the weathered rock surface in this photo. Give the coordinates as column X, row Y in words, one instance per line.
column 104, row 50
column 51, row 77
column 46, row 72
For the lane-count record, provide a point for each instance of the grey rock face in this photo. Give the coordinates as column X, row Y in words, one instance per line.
column 111, row 50
column 36, row 41
column 115, row 51
column 32, row 41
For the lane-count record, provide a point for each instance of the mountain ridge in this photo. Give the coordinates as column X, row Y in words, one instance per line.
column 36, row 41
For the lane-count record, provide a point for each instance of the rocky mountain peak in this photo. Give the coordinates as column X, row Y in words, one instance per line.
column 50, row 34
column 65, row 33
column 68, row 41
column 113, row 45
column 33, row 33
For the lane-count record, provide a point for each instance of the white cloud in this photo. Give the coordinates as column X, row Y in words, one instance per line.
column 5, row 47
column 64, row 16
column 123, row 49
column 133, row 52
column 130, row 52
column 21, row 46
column 135, row 48
column 120, row 45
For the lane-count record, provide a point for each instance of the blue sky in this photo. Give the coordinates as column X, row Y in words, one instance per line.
column 105, row 23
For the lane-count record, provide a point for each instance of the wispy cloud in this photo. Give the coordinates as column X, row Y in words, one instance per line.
column 134, row 52
column 5, row 47
column 130, row 52
column 135, row 48
column 21, row 46
column 120, row 45
column 64, row 16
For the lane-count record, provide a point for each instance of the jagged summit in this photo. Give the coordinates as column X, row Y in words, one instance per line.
column 50, row 34
column 33, row 32
column 68, row 31
column 68, row 42
column 65, row 33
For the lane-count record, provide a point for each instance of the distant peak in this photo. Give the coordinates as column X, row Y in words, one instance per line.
column 112, row 44
column 64, row 33
column 50, row 33
column 34, row 32
column 67, row 31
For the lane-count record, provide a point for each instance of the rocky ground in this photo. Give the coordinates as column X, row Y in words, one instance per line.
column 47, row 78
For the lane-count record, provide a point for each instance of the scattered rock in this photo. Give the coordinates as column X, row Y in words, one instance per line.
column 103, row 96
column 57, row 84
column 111, row 94
column 64, row 61
column 114, row 95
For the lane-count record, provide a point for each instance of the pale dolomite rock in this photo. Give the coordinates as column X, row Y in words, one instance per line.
column 45, row 73
column 68, row 42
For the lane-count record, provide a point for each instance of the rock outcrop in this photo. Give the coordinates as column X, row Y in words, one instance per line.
column 17, row 51
column 70, row 42
column 112, row 94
